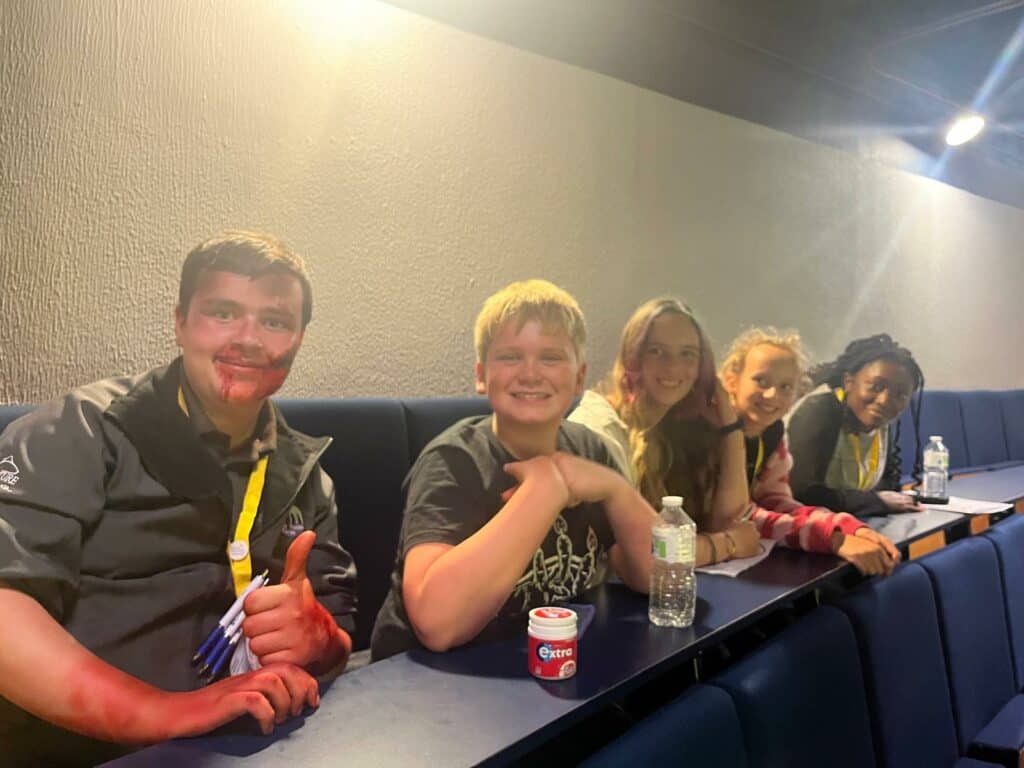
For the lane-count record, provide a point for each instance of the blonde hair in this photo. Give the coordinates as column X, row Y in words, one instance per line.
column 787, row 339
column 530, row 300
column 652, row 447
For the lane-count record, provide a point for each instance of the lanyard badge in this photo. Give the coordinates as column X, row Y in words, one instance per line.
column 239, row 555
column 865, row 474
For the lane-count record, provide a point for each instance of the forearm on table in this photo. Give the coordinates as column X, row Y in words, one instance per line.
column 465, row 587
column 45, row 671
column 631, row 519
column 713, row 548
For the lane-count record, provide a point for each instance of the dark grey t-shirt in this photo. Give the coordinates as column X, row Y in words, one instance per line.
column 455, row 488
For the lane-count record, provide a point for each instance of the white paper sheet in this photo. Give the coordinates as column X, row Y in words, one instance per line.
column 969, row 506
column 733, row 568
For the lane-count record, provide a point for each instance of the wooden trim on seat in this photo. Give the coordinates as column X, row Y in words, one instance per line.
column 923, row 546
column 980, row 523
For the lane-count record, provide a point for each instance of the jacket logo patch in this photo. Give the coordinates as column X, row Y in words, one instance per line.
column 9, row 473
column 293, row 524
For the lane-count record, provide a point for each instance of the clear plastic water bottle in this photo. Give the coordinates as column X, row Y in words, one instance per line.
column 674, row 552
column 936, row 469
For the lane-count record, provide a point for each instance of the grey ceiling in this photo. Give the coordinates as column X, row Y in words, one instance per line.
column 857, row 74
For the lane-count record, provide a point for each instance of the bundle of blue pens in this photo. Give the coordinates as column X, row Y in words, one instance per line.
column 216, row 649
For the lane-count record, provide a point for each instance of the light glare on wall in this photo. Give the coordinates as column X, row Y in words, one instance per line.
column 963, row 129
column 340, row 21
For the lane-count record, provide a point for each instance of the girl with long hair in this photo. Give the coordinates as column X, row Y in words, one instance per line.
column 672, row 429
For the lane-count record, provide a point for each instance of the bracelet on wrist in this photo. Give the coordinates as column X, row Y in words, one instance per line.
column 732, row 542
column 714, row 551
column 736, row 425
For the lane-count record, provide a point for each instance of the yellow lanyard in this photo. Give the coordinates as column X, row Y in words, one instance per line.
column 760, row 457
column 864, row 475
column 238, row 549
column 239, row 556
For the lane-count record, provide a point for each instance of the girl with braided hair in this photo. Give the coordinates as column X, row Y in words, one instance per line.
column 763, row 372
column 671, row 428
column 841, row 435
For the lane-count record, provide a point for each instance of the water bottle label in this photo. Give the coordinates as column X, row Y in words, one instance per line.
column 672, row 546
column 936, row 459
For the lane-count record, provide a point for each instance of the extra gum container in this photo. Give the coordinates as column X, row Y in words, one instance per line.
column 552, row 653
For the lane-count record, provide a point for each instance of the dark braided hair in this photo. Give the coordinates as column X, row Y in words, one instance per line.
column 859, row 353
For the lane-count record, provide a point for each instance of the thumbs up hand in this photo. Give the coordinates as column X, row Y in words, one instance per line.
column 286, row 623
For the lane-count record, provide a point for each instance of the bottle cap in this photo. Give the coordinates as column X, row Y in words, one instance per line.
column 934, row 437
column 671, row 501
column 553, row 616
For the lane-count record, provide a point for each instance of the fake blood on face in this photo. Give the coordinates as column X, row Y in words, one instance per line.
column 245, row 381
column 239, row 337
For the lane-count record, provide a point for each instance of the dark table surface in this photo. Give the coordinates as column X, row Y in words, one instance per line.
column 478, row 704
column 996, row 485
column 905, row 528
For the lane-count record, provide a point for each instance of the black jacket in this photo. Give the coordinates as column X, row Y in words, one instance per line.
column 814, row 429
column 118, row 524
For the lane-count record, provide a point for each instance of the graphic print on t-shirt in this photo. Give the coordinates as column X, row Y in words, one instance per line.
column 559, row 577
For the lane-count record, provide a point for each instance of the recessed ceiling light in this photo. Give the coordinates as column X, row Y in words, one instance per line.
column 963, row 129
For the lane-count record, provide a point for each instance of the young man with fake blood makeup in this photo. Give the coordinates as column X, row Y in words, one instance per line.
column 114, row 538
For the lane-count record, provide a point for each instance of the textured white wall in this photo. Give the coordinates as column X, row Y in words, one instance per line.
column 418, row 168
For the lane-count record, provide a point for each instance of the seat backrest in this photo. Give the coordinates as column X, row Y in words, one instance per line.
column 972, row 620
column 908, row 440
column 1008, row 538
column 427, row 417
column 983, row 427
column 940, row 415
column 1011, row 403
column 9, row 413
column 367, row 461
column 699, row 728
column 896, row 624
column 800, row 697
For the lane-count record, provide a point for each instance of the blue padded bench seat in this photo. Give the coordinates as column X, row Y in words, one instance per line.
column 908, row 443
column 800, row 697
column 367, row 461
column 1008, row 538
column 941, row 415
column 983, row 428
column 700, row 728
column 427, row 417
column 897, row 627
column 1011, row 403
column 9, row 413
column 968, row 588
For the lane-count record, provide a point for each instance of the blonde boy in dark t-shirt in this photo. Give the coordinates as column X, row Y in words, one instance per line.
column 515, row 510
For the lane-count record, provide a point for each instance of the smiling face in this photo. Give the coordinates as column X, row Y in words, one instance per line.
column 669, row 360
column 878, row 392
column 239, row 336
column 531, row 374
column 764, row 390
